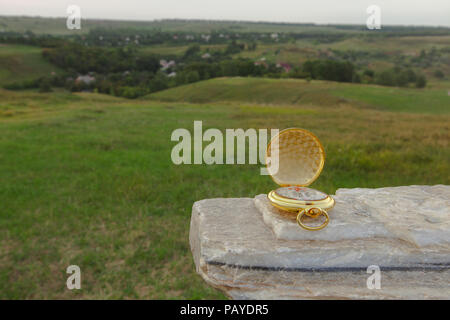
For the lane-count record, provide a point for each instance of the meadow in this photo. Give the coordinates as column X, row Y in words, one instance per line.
column 21, row 62
column 301, row 92
column 87, row 179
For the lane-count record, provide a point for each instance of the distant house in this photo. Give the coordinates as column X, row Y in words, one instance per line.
column 206, row 56
column 206, row 37
column 86, row 79
column 261, row 63
column 287, row 67
column 166, row 64
column 172, row 74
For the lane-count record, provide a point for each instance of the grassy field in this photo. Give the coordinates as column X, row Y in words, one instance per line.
column 87, row 179
column 410, row 44
column 177, row 50
column 19, row 62
column 301, row 92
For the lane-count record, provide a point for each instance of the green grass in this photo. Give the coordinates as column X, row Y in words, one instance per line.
column 250, row 90
column 301, row 92
column 398, row 99
column 20, row 62
column 177, row 50
column 87, row 179
column 409, row 44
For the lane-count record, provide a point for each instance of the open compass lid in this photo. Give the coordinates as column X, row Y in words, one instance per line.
column 300, row 157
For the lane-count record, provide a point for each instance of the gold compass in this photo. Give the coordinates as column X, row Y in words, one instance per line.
column 294, row 159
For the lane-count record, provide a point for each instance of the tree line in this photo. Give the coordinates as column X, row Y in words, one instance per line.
column 129, row 72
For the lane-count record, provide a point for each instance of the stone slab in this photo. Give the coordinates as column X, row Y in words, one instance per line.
column 418, row 214
column 235, row 251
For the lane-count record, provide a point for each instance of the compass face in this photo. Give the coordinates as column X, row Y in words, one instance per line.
column 301, row 193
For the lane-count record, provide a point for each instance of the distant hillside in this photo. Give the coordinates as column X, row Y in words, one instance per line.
column 18, row 63
column 301, row 92
column 42, row 25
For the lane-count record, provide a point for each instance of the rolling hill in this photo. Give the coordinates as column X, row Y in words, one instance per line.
column 302, row 92
column 20, row 62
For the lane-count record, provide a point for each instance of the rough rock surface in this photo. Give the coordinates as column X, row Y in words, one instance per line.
column 418, row 214
column 238, row 252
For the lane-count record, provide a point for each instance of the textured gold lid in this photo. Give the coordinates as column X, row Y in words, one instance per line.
column 301, row 157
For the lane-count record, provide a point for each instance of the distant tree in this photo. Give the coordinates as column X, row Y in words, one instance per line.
column 423, row 54
column 421, row 81
column 205, row 70
column 148, row 63
column 297, row 73
column 45, row 86
column 20, row 85
column 228, row 68
column 245, row 68
column 192, row 76
column 252, row 46
column 191, row 51
column 130, row 92
column 159, row 82
column 439, row 74
column 356, row 78
column 105, row 86
column 234, row 47
column 386, row 78
column 401, row 78
column 369, row 73
column 411, row 75
column 329, row 70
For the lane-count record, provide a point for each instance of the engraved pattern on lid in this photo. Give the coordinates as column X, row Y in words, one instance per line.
column 300, row 157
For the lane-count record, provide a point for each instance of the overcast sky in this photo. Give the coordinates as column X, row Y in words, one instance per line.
column 408, row 12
